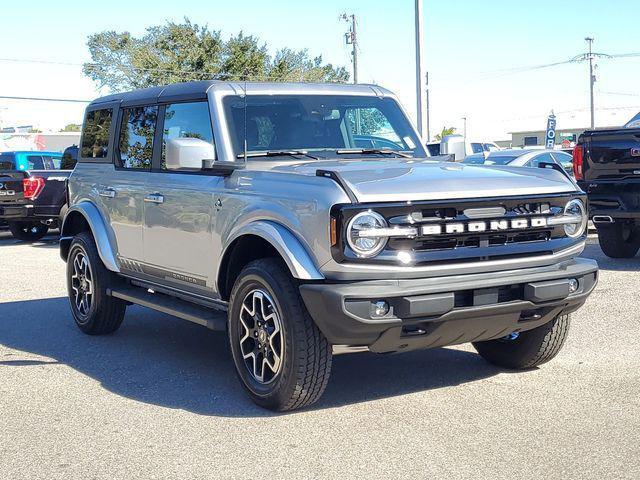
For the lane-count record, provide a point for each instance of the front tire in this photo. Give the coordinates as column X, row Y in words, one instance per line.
column 527, row 349
column 94, row 312
column 280, row 355
column 28, row 231
column 619, row 240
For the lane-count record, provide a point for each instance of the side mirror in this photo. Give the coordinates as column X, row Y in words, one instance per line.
column 189, row 154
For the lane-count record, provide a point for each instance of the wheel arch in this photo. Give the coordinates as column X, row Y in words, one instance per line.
column 262, row 239
column 82, row 217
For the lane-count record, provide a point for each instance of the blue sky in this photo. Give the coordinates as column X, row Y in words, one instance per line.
column 468, row 43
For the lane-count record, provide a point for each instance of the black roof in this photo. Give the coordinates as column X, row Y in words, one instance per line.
column 167, row 93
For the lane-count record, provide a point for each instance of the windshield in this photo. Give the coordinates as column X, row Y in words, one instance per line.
column 319, row 123
column 490, row 160
column 634, row 122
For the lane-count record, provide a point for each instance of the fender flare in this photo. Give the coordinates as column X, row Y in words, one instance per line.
column 104, row 240
column 295, row 255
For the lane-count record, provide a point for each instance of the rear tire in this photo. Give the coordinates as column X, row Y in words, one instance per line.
column 528, row 349
column 619, row 240
column 28, row 231
column 94, row 312
column 268, row 321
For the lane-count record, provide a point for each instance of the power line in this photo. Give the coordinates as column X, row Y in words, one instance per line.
column 41, row 99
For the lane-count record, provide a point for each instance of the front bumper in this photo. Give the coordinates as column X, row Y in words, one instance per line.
column 434, row 312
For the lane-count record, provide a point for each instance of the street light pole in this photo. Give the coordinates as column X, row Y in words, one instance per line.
column 420, row 73
column 592, row 78
column 427, row 122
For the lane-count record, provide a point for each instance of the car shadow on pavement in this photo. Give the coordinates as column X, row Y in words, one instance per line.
column 593, row 250
column 51, row 240
column 161, row 360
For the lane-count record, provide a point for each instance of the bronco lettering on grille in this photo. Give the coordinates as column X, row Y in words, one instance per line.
column 484, row 226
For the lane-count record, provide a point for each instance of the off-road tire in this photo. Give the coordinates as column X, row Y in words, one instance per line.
column 306, row 363
column 618, row 240
column 530, row 348
column 28, row 231
column 105, row 313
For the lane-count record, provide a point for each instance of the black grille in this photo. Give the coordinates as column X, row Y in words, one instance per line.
column 466, row 246
column 423, row 244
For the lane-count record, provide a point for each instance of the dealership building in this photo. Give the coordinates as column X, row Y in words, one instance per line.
column 569, row 126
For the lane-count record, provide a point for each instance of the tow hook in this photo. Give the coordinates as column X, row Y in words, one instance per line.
column 602, row 219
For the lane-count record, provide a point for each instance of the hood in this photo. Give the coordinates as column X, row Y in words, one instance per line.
column 392, row 180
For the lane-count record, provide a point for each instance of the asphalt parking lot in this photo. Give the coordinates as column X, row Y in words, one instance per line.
column 159, row 399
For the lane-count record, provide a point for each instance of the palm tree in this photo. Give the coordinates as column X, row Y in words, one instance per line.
column 445, row 131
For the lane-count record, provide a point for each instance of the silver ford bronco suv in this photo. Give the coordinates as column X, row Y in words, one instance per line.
column 308, row 219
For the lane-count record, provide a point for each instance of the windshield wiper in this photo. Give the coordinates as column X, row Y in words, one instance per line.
column 278, row 153
column 367, row 151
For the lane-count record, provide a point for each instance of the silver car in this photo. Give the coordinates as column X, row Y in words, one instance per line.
column 307, row 220
column 517, row 157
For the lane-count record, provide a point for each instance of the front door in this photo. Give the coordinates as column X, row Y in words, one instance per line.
column 180, row 206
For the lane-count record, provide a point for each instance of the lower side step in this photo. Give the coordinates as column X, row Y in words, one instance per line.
column 210, row 318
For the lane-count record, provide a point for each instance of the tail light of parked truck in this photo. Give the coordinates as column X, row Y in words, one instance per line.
column 578, row 157
column 32, row 186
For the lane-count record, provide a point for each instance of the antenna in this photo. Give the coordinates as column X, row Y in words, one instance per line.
column 245, row 119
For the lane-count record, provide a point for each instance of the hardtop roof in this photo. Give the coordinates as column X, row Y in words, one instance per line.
column 199, row 90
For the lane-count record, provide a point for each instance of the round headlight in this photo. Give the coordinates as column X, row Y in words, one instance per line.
column 576, row 208
column 369, row 245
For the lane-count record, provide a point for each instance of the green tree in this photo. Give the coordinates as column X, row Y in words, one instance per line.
column 445, row 131
column 178, row 52
column 71, row 127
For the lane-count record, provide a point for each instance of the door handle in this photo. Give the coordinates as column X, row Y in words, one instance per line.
column 107, row 192
column 154, row 198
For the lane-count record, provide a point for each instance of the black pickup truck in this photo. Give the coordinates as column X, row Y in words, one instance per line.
column 606, row 165
column 32, row 201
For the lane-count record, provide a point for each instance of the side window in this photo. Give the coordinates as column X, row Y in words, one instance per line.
column 51, row 163
column 187, row 139
column 135, row 148
column 371, row 129
column 542, row 158
column 95, row 133
column 565, row 160
column 35, row 162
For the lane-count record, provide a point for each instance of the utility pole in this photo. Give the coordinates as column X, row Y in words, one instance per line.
column 592, row 78
column 591, row 56
column 351, row 39
column 420, row 74
column 464, row 132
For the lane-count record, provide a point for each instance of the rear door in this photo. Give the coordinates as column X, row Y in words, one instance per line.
column 122, row 193
column 180, row 205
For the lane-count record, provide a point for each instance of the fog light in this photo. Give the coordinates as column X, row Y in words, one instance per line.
column 573, row 285
column 379, row 308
